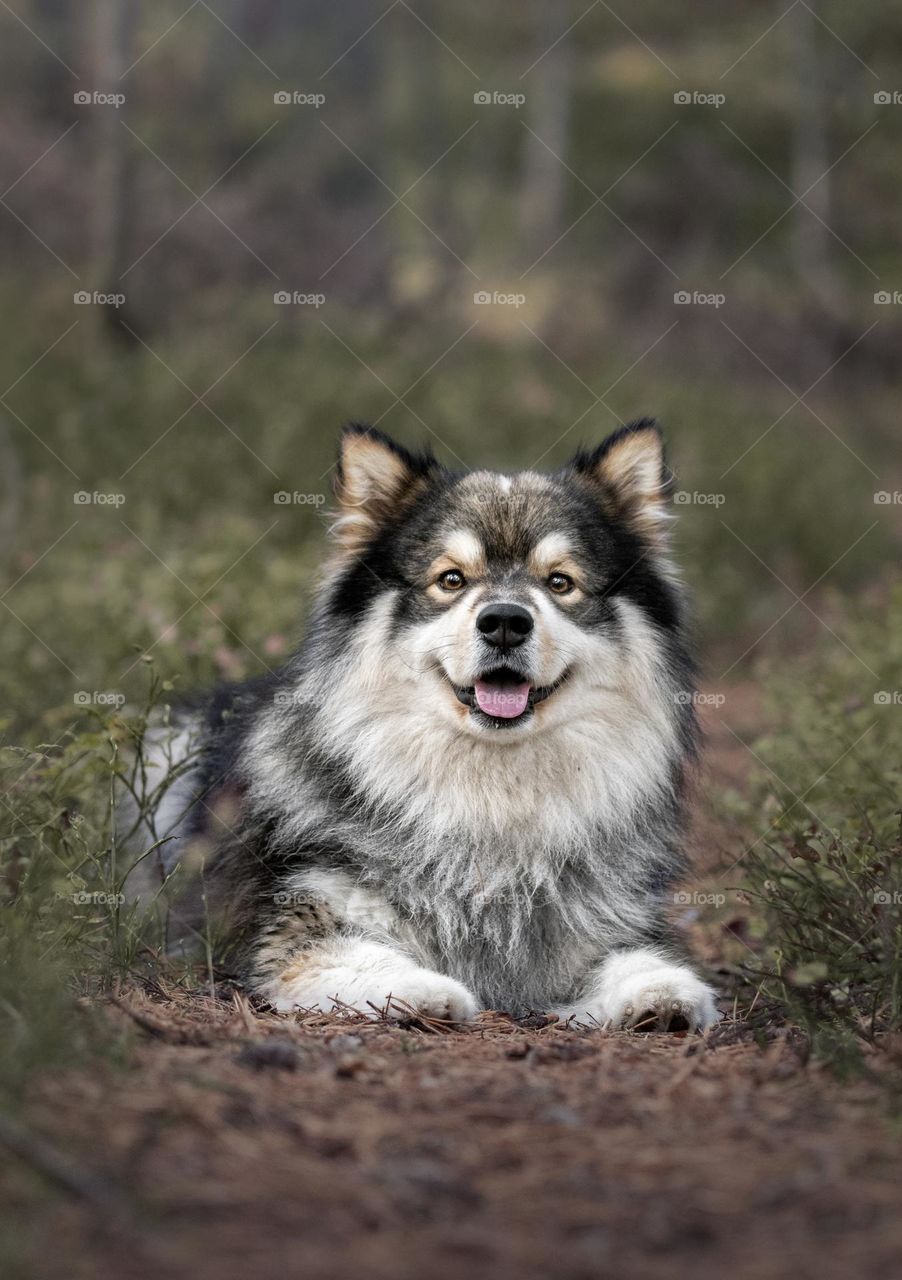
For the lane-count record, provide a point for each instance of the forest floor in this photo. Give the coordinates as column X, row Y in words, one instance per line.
column 241, row 1143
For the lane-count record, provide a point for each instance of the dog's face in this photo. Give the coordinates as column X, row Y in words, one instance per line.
column 502, row 605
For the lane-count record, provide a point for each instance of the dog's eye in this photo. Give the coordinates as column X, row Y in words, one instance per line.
column 560, row 584
column 451, row 580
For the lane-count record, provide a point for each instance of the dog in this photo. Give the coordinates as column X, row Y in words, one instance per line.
column 466, row 789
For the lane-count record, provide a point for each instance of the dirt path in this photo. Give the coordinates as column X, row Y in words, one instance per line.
column 333, row 1150
column 244, row 1144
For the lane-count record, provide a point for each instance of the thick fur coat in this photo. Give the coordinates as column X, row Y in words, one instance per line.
column 465, row 789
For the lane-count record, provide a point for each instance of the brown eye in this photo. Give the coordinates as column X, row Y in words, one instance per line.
column 451, row 580
column 560, row 584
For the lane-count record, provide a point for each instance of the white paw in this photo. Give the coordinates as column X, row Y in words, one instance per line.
column 370, row 978
column 431, row 995
column 668, row 999
column 644, row 990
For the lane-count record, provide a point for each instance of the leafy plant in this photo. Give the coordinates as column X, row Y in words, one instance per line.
column 67, row 929
column 826, row 873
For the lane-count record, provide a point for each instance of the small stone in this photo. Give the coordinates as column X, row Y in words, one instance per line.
column 274, row 1054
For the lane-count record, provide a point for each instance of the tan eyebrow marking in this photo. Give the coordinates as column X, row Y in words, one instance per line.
column 552, row 553
column 463, row 551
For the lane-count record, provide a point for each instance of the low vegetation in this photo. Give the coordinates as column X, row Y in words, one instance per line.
column 825, row 868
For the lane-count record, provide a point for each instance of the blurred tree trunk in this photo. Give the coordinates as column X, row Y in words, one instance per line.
column 258, row 19
column 549, row 89
column 812, row 242
column 408, row 80
column 222, row 66
column 369, row 66
column 57, row 20
column 113, row 188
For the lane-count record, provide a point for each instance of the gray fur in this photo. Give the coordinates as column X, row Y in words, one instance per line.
column 513, row 859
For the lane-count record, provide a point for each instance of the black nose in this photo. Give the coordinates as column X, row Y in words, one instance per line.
column 504, row 625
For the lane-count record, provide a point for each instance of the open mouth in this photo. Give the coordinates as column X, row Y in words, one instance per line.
column 503, row 696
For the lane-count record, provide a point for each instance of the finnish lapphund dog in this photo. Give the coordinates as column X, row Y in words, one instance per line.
column 464, row 791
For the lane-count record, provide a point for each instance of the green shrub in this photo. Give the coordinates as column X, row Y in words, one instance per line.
column 826, row 868
column 67, row 930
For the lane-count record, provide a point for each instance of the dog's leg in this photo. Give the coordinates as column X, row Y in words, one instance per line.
column 644, row 989
column 370, row 977
column 333, row 943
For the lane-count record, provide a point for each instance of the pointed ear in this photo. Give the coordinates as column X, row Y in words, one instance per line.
column 630, row 475
column 376, row 480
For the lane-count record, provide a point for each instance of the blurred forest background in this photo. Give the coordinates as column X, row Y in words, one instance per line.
column 388, row 168
column 229, row 226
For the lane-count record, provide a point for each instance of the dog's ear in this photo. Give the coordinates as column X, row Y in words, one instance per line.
column 376, row 481
column 630, row 475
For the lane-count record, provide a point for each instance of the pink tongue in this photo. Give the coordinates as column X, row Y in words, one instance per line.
column 507, row 701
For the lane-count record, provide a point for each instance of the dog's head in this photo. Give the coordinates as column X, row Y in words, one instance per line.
column 505, row 605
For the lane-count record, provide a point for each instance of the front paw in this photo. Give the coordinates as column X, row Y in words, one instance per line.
column 672, row 999
column 391, row 990
column 430, row 995
column 370, row 977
